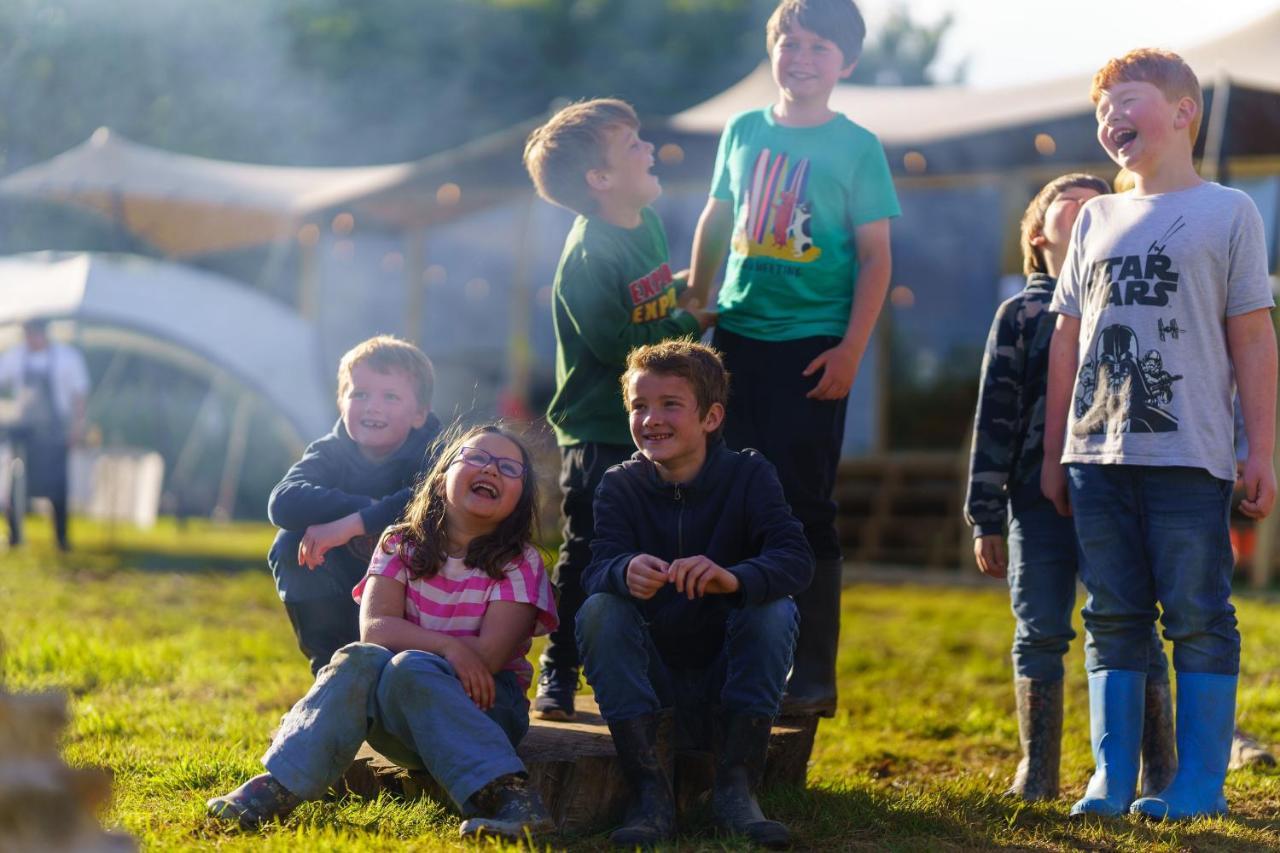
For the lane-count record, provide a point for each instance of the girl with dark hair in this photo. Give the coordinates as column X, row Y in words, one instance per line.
column 452, row 598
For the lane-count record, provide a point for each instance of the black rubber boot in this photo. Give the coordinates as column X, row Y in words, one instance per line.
column 507, row 807
column 811, row 690
column 651, row 815
column 1040, row 732
column 740, row 758
column 1159, row 753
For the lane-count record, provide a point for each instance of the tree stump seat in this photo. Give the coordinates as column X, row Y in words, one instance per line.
column 575, row 769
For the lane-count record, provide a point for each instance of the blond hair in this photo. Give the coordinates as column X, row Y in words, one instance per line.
column 574, row 141
column 385, row 353
column 1163, row 69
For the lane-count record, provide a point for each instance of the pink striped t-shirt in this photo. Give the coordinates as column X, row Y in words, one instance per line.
column 454, row 601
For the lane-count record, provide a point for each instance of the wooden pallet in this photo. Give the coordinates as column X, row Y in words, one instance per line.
column 575, row 769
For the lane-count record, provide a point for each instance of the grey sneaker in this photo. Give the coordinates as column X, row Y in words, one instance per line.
column 507, row 808
column 254, row 803
column 556, row 689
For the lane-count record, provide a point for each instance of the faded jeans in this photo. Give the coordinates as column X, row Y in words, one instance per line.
column 1043, row 568
column 411, row 708
column 1155, row 535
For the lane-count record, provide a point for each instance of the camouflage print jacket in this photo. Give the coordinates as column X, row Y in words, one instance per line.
column 1008, row 428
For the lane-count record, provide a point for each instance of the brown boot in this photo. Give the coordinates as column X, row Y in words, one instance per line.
column 1159, row 753
column 1040, row 733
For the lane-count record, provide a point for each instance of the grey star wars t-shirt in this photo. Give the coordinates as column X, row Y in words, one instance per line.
column 1153, row 280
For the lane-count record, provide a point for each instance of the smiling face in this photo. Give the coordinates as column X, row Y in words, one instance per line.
column 379, row 410
column 479, row 497
column 806, row 66
column 666, row 425
column 1137, row 124
column 627, row 177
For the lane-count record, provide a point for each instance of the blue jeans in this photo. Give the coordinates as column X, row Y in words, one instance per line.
column 1155, row 534
column 630, row 678
column 410, row 707
column 1043, row 566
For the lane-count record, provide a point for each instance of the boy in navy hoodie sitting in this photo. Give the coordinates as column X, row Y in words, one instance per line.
column 348, row 486
column 695, row 559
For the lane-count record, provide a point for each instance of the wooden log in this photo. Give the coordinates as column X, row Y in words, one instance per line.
column 575, row 769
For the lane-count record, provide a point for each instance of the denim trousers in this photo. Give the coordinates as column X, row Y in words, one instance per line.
column 1043, row 567
column 630, row 678
column 411, row 708
column 321, row 610
column 1155, row 535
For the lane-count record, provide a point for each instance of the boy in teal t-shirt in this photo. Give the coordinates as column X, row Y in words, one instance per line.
column 800, row 201
column 613, row 291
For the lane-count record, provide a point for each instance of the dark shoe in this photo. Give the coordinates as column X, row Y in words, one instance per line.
column 740, row 758
column 1159, row 751
column 651, row 815
column 254, row 803
column 1040, row 732
column 557, row 686
column 507, row 808
column 811, row 689
column 1248, row 751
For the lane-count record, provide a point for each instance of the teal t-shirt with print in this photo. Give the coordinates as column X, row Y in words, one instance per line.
column 797, row 193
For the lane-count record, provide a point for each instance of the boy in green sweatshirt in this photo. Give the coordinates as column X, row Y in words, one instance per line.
column 613, row 291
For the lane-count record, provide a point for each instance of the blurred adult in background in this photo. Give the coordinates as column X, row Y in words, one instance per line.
column 51, row 384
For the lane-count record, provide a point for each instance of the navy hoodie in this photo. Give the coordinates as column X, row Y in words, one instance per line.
column 732, row 512
column 334, row 479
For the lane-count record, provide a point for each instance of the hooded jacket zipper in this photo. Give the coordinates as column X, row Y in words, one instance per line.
column 679, row 522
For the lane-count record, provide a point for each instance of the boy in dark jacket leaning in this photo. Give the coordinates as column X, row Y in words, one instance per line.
column 695, row 559
column 348, row 486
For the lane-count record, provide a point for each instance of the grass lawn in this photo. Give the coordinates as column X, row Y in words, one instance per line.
column 179, row 661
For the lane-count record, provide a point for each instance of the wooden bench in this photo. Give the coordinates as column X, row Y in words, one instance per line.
column 575, row 768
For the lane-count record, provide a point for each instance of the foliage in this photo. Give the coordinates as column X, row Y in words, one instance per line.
column 903, row 52
column 178, row 674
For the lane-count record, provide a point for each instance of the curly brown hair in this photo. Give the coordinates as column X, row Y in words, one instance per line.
column 421, row 541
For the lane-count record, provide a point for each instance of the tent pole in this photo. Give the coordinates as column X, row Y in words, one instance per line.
column 1213, row 165
column 237, row 442
column 415, row 264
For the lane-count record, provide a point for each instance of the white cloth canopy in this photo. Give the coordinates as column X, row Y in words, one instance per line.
column 906, row 115
column 186, row 205
column 178, row 312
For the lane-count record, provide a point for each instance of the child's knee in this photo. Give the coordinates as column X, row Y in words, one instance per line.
column 778, row 618
column 602, row 614
column 362, row 656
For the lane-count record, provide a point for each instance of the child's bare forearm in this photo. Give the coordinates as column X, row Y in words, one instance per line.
column 868, row 301
column 710, row 246
column 1063, row 358
column 1252, row 341
column 400, row 635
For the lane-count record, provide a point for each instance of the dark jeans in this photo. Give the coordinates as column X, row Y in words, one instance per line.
column 321, row 610
column 1155, row 535
column 631, row 678
column 44, row 461
column 410, row 707
column 581, row 467
column 768, row 411
column 1043, row 563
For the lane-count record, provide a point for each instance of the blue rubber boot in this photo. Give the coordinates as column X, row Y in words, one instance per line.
column 1116, row 701
column 1205, row 723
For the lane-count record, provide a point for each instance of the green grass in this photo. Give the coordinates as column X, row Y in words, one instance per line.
column 179, row 660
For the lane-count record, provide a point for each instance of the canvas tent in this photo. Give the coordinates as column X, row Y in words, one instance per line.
column 208, row 323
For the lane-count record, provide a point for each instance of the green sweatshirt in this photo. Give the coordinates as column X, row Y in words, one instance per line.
column 613, row 292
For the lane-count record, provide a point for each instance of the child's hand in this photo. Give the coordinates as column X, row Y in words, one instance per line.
column 476, row 679
column 319, row 538
column 706, row 319
column 1053, row 485
column 1259, row 481
column 646, row 574
column 839, row 368
column 699, row 576
column 993, row 559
